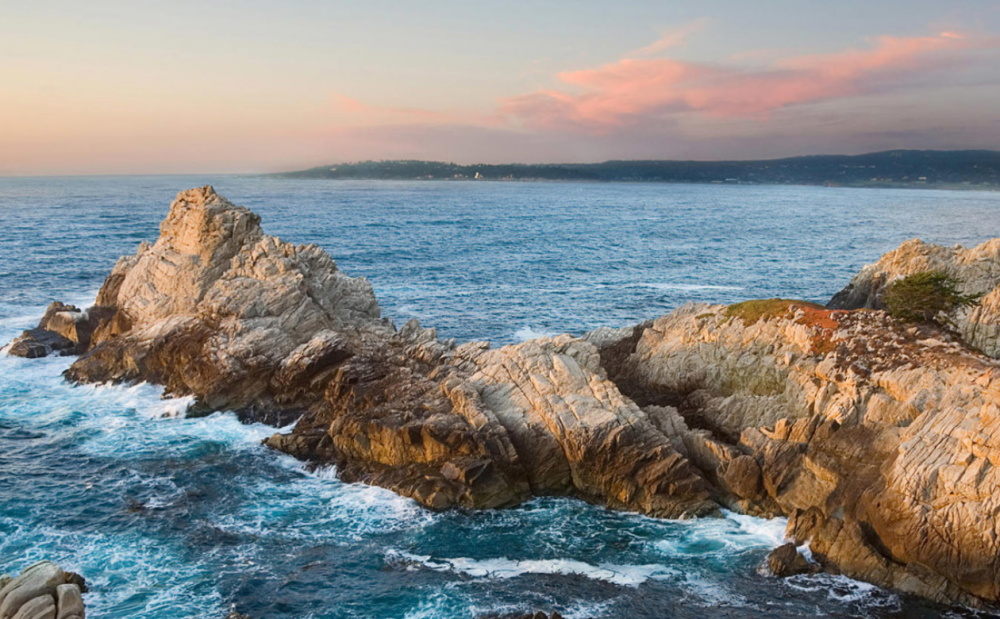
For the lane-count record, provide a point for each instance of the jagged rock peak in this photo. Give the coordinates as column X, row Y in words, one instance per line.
column 218, row 309
column 203, row 222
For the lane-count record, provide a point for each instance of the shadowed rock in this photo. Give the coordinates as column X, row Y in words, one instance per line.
column 785, row 561
column 64, row 330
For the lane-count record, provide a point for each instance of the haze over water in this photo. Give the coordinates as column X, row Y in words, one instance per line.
column 171, row 517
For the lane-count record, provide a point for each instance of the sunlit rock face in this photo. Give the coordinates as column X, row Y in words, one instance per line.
column 217, row 309
column 879, row 440
column 976, row 269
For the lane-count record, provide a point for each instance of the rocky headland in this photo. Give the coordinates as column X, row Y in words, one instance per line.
column 879, row 440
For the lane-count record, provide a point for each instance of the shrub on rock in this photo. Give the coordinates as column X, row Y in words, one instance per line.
column 925, row 297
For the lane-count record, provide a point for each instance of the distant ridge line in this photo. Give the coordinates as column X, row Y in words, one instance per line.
column 949, row 169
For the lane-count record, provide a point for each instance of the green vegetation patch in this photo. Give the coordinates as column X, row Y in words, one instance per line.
column 925, row 297
column 754, row 310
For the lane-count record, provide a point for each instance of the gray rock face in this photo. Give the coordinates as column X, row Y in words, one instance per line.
column 43, row 591
column 977, row 269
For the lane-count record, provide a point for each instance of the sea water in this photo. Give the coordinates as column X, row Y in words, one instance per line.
column 175, row 517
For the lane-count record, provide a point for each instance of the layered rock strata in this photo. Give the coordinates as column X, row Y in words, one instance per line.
column 42, row 591
column 880, row 441
column 243, row 321
column 976, row 269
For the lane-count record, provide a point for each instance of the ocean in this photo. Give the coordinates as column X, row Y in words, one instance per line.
column 173, row 517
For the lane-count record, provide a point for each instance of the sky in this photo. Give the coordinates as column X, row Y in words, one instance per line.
column 220, row 86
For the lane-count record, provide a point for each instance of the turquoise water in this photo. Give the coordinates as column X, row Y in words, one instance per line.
column 174, row 517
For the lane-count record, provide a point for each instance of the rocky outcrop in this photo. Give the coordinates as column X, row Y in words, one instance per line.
column 217, row 309
column 976, row 269
column 243, row 321
column 470, row 426
column 879, row 440
column 63, row 330
column 42, row 591
column 786, row 560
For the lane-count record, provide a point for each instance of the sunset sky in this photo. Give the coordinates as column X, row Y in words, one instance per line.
column 148, row 86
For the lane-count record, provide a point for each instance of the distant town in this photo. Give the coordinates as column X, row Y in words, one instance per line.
column 965, row 169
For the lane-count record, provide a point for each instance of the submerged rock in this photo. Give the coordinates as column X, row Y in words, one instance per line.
column 43, row 591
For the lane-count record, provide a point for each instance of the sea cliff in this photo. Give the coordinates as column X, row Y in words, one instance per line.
column 874, row 437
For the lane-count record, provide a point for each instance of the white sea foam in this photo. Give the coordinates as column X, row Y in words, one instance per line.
column 770, row 531
column 530, row 333
column 711, row 592
column 433, row 607
column 503, row 568
column 686, row 287
column 722, row 537
column 117, row 568
column 317, row 506
column 844, row 590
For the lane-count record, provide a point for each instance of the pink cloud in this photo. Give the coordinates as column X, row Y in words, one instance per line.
column 624, row 92
column 671, row 38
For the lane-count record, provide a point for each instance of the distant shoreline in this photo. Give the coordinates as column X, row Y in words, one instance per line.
column 899, row 169
column 902, row 185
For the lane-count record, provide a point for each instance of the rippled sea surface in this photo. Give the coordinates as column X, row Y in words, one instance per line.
column 170, row 517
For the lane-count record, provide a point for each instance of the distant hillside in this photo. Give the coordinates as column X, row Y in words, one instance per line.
column 974, row 169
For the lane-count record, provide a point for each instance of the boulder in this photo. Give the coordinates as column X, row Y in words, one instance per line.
column 42, row 591
column 785, row 560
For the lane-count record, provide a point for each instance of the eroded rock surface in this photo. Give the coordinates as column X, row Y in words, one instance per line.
column 880, row 441
column 243, row 321
column 785, row 561
column 217, row 309
column 42, row 591
column 977, row 269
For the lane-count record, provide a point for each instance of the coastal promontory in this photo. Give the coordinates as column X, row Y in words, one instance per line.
column 877, row 438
